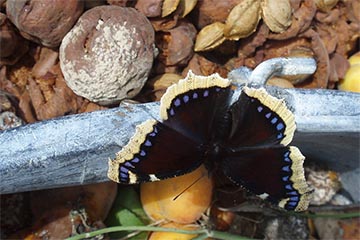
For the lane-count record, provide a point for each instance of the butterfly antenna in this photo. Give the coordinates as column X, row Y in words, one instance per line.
column 192, row 184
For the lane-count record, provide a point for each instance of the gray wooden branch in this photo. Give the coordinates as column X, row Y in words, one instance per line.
column 74, row 150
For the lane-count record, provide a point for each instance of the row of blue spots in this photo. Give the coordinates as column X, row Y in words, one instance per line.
column 274, row 120
column 186, row 99
column 294, row 195
column 124, row 174
column 124, row 168
column 279, row 126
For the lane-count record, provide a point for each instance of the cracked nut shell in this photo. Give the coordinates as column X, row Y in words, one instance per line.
column 108, row 54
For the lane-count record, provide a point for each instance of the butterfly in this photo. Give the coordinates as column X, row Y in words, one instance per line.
column 246, row 139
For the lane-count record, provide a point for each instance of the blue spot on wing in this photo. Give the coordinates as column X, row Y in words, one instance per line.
column 274, row 120
column 177, row 102
column 186, row 98
column 280, row 126
column 286, row 168
column 286, row 178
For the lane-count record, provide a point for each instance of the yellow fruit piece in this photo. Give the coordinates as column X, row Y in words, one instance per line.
column 355, row 59
column 173, row 235
column 351, row 82
column 158, row 201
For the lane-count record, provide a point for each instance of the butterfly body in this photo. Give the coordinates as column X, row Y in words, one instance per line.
column 246, row 140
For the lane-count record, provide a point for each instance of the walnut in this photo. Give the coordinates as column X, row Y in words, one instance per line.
column 150, row 8
column 42, row 22
column 108, row 54
column 12, row 45
column 176, row 45
column 210, row 11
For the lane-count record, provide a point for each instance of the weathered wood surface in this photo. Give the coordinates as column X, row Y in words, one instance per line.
column 74, row 150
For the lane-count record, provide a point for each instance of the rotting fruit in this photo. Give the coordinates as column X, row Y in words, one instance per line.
column 193, row 192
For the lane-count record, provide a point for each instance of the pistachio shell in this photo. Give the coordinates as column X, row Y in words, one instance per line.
column 276, row 14
column 242, row 20
column 210, row 37
column 186, row 6
column 169, row 6
column 325, row 5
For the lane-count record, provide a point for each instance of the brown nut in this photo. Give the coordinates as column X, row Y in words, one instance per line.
column 325, row 5
column 12, row 45
column 176, row 45
column 43, row 21
column 242, row 20
column 210, row 37
column 150, row 8
column 276, row 14
column 108, row 55
column 210, row 11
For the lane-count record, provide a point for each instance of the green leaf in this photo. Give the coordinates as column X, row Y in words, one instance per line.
column 127, row 211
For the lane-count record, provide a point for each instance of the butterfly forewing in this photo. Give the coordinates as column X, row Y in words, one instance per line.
column 196, row 105
column 260, row 119
column 155, row 152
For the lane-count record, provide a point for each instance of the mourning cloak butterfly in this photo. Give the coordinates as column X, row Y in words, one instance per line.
column 246, row 140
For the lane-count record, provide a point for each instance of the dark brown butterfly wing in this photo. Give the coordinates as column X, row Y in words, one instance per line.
column 275, row 174
column 260, row 119
column 257, row 156
column 158, row 150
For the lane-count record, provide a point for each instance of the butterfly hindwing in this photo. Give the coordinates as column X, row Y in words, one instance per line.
column 275, row 174
column 155, row 152
column 260, row 119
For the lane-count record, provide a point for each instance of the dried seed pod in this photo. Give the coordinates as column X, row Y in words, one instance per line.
column 186, row 6
column 276, row 14
column 169, row 6
column 325, row 5
column 210, row 37
column 243, row 20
